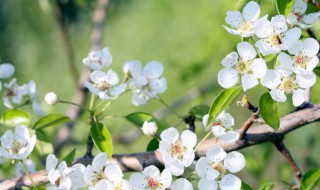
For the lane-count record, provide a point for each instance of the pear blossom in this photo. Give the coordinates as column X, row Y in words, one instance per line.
column 18, row 145
column 149, row 128
column 30, row 165
column 51, row 98
column 285, row 80
column 6, row 71
column 247, row 68
column 177, row 153
column 146, row 82
column 14, row 93
column 242, row 24
column 299, row 17
column 33, row 95
column 151, row 178
column 275, row 35
column 221, row 127
column 105, row 84
column 217, row 167
column 181, row 184
column 103, row 175
column 98, row 60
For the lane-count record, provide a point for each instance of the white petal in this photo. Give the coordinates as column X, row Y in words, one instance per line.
column 22, row 134
column 89, row 175
column 216, row 154
column 290, row 38
column 311, row 64
column 310, row 18
column 248, row 81
column 106, row 57
column 205, row 121
column 116, row 91
column 175, row 167
column 230, row 136
column 212, row 174
column 232, row 31
column 310, row 47
column 292, row 19
column 166, row 178
column 306, row 79
column 202, row 166
column 113, row 173
column 171, row 134
column 139, row 100
column 278, row 95
column 189, row 139
column 246, row 51
column 205, row 184
column 99, row 161
column 6, row 70
column 38, row 109
column 279, row 24
column 159, row 85
column 251, row 11
column 266, row 48
column 296, row 48
column 138, row 181
column 262, row 28
column 151, row 171
column 53, row 175
column 228, row 77
column 300, row 7
column 234, row 19
column 153, row 69
column 285, row 60
column 218, row 131
column 230, row 182
column 135, row 69
column 234, row 162
column 97, row 76
column 102, row 184
column 226, row 119
column 230, row 60
column 271, row 80
column 7, row 139
column 91, row 87
column 188, row 157
column 298, row 97
column 259, row 68
column 181, row 184
column 111, row 78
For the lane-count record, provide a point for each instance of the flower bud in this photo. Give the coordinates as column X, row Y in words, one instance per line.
column 51, row 98
column 149, row 128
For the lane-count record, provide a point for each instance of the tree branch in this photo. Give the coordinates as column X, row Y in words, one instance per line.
column 315, row 3
column 137, row 161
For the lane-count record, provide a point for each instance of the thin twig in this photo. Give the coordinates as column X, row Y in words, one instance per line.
column 248, row 124
column 315, row 3
column 89, row 147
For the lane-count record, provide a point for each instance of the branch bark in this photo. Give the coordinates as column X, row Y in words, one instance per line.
column 137, row 161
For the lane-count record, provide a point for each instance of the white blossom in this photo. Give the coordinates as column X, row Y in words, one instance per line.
column 242, row 24
column 6, row 71
column 181, row 184
column 299, row 17
column 105, row 85
column 151, row 178
column 18, row 145
column 275, row 35
column 51, row 98
column 177, row 153
column 30, row 165
column 221, row 127
column 14, row 93
column 98, row 60
column 217, row 167
column 149, row 128
column 247, row 68
column 33, row 95
column 146, row 82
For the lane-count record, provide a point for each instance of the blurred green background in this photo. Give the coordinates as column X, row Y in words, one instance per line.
column 185, row 35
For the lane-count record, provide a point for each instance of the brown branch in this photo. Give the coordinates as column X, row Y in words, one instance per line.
column 81, row 94
column 254, row 115
column 286, row 153
column 255, row 135
column 315, row 3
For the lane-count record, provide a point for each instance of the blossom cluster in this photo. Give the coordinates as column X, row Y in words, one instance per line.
column 292, row 72
column 145, row 82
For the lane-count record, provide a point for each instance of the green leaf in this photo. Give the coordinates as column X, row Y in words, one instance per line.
column 199, row 111
column 284, row 7
column 41, row 135
column 102, row 138
column 70, row 157
column 153, row 145
column 51, row 120
column 269, row 110
column 317, row 71
column 245, row 186
column 138, row 118
column 15, row 117
column 310, row 180
column 267, row 186
column 222, row 101
column 311, row 8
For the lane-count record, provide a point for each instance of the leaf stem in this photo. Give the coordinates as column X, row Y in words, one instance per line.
column 169, row 108
column 28, row 174
column 204, row 138
column 75, row 104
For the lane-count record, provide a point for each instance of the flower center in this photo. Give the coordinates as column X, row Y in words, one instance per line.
column 274, row 40
column 177, row 150
column 288, row 85
column 298, row 15
column 243, row 67
column 104, row 86
column 118, row 187
column 10, row 93
column 16, row 148
column 219, row 167
column 98, row 176
column 246, row 27
column 300, row 61
column 153, row 184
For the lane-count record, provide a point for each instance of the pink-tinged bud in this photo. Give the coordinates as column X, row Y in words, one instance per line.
column 149, row 128
column 51, row 98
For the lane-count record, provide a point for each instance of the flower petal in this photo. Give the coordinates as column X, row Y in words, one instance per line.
column 298, row 97
column 166, row 178
column 248, row 81
column 271, row 80
column 205, row 184
column 228, row 77
column 113, row 173
column 99, row 161
column 285, row 60
column 259, row 68
column 230, row 136
column 290, row 38
column 226, row 119
column 202, row 166
column 299, row 6
column 7, row 139
column 22, row 134
column 138, row 181
column 181, row 184
column 175, row 167
column 306, row 79
column 188, row 157
column 246, row 51
column 170, row 135
column 279, row 24
column 234, row 19
column 230, row 182
column 310, row 47
column 153, row 69
column 6, row 70
column 230, row 60
column 234, row 162
column 310, row 18
column 278, row 95
column 188, row 138
column 216, row 154
column 251, row 11
column 262, row 28
column 218, row 131
column 151, row 171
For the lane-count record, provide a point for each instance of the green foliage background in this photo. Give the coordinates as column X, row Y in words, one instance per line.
column 185, row 35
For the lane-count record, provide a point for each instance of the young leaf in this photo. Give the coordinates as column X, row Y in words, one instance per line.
column 223, row 100
column 153, row 145
column 41, row 135
column 310, row 180
column 245, row 186
column 284, row 7
column 70, row 157
column 317, row 71
column 267, row 186
column 102, row 138
column 199, row 111
column 269, row 110
column 15, row 117
column 51, row 120
column 311, row 8
column 138, row 118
